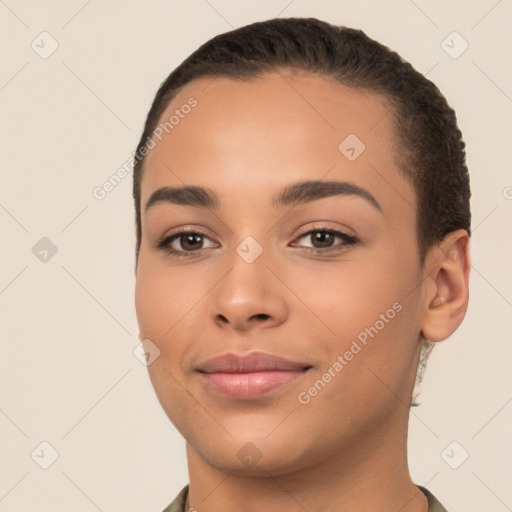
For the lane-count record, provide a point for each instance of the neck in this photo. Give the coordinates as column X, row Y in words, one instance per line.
column 369, row 473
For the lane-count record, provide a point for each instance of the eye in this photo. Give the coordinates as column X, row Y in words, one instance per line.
column 324, row 240
column 188, row 242
column 184, row 243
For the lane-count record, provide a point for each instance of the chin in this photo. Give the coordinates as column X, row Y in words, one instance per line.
column 249, row 460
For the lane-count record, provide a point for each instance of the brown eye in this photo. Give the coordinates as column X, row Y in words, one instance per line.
column 190, row 242
column 185, row 243
column 324, row 240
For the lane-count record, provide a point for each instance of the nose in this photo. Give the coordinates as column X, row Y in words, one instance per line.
column 248, row 297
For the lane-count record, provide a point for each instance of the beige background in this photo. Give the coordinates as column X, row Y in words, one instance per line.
column 68, row 327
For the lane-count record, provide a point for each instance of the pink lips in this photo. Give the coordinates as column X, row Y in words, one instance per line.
column 249, row 376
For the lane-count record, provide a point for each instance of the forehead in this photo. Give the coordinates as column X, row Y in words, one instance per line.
column 273, row 130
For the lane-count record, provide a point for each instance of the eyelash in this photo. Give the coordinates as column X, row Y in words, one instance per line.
column 165, row 242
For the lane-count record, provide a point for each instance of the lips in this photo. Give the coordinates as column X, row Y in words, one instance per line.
column 248, row 376
column 253, row 362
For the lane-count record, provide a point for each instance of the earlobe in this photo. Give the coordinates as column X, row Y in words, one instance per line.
column 447, row 282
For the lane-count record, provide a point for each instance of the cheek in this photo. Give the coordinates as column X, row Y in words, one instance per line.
column 365, row 309
column 149, row 302
column 349, row 296
column 164, row 298
column 172, row 306
column 161, row 308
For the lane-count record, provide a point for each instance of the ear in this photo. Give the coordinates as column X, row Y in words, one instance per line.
column 446, row 284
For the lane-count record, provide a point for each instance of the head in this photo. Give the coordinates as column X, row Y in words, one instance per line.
column 258, row 127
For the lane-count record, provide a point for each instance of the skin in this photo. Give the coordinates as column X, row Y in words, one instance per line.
column 346, row 449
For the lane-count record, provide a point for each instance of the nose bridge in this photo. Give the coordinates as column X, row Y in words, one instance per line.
column 249, row 293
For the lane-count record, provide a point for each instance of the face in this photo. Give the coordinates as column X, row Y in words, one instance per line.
column 328, row 278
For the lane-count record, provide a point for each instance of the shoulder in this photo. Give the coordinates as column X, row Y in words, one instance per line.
column 178, row 505
column 434, row 505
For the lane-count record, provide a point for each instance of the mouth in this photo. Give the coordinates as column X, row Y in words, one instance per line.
column 249, row 376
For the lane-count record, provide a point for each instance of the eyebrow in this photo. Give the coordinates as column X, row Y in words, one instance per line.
column 297, row 193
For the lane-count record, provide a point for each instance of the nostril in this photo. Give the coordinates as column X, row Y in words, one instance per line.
column 262, row 316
